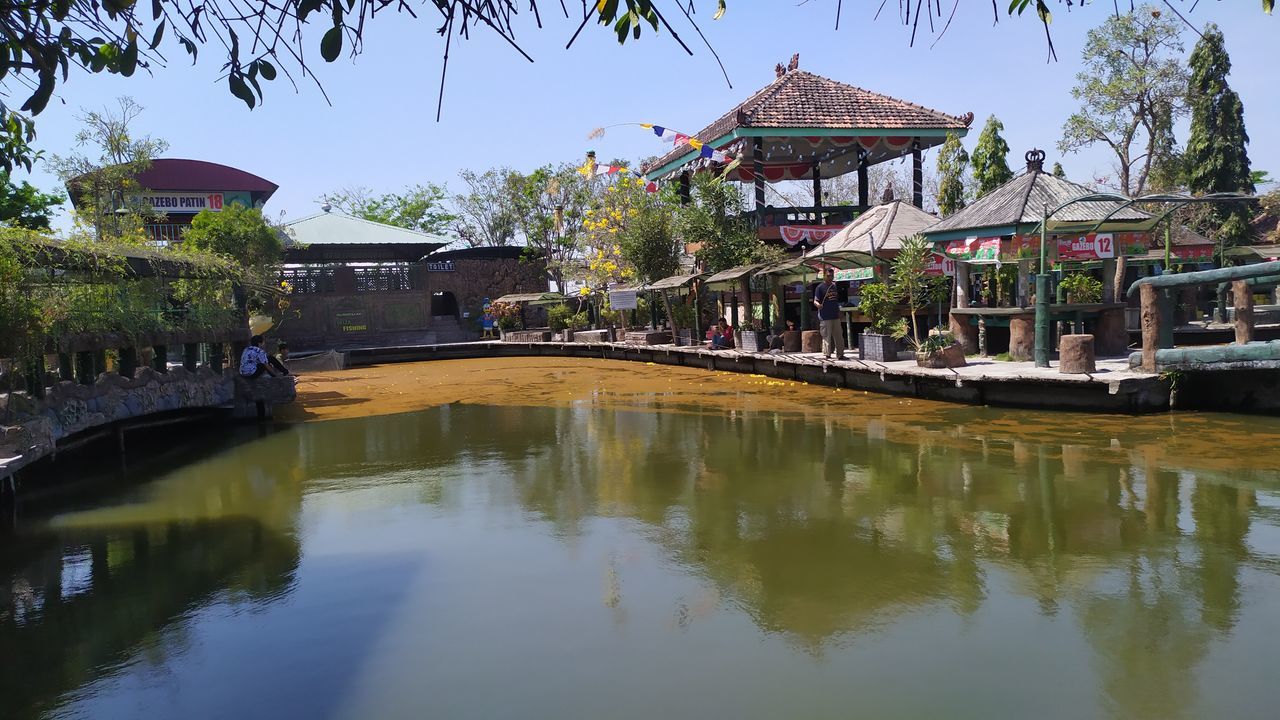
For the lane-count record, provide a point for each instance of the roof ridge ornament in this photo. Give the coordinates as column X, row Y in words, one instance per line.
column 1035, row 160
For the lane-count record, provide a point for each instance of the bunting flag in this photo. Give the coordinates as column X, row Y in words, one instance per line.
column 594, row 169
column 679, row 138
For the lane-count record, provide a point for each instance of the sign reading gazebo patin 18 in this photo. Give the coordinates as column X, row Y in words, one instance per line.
column 183, row 203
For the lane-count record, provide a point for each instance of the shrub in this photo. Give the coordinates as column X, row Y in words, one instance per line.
column 1082, row 288
column 877, row 304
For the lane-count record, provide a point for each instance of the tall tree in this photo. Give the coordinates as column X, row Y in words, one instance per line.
column 24, row 206
column 417, row 207
column 239, row 233
column 715, row 224
column 952, row 164
column 108, row 196
column 1216, row 157
column 549, row 206
column 486, row 213
column 990, row 159
column 1133, row 81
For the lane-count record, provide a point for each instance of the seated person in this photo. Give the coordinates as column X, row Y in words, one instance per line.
column 254, row 361
column 775, row 340
column 279, row 360
column 722, row 335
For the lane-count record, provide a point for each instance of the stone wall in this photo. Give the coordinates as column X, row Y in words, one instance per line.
column 32, row 427
column 346, row 319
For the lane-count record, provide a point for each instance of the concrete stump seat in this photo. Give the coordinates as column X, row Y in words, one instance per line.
column 791, row 341
column 811, row 341
column 1075, row 355
column 1022, row 336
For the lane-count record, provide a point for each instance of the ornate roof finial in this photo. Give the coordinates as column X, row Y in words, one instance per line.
column 1035, row 160
column 779, row 71
column 795, row 63
column 888, row 196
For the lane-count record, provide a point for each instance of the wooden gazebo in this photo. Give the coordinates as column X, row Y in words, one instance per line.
column 806, row 127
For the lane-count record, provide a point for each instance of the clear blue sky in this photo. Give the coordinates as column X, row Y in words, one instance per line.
column 500, row 110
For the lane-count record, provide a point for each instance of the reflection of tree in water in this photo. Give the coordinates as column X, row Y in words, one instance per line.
column 819, row 532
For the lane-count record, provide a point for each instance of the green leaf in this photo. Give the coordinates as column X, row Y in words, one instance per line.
column 608, row 9
column 159, row 34
column 267, row 70
column 331, row 44
column 241, row 90
column 306, row 7
column 129, row 59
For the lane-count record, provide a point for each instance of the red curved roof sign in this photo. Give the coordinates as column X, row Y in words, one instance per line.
column 179, row 174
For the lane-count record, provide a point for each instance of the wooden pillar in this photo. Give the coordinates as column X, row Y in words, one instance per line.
column 1117, row 280
column 128, row 362
column 817, row 193
column 746, row 288
column 66, row 367
column 917, row 175
column 160, row 361
column 35, row 374
column 217, row 358
column 685, row 191
column 962, row 285
column 1024, row 283
column 99, row 362
column 734, row 309
column 1242, row 299
column 191, row 356
column 757, row 168
column 766, row 311
column 1108, row 281
column 864, row 182
column 1150, row 326
column 84, row 367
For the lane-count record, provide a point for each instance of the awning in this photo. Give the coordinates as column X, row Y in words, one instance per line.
column 1263, row 253
column 546, row 298
column 727, row 279
column 672, row 283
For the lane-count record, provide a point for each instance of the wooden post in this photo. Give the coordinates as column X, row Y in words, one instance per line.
column 1242, row 299
column 817, row 193
column 128, row 362
column 1150, row 326
column 191, row 356
column 1117, row 279
column 216, row 357
column 962, row 284
column 917, row 175
column 66, row 367
column 84, row 367
column 35, row 373
column 99, row 362
column 1024, row 283
column 160, row 361
column 685, row 193
column 757, row 168
column 864, row 188
column 1109, row 293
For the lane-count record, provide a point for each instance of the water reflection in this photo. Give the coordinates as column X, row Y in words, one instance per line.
column 823, row 527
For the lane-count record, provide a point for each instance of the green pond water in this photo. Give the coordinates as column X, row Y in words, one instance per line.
column 666, row 556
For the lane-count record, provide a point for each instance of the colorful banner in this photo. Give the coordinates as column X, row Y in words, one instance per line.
column 594, row 169
column 183, row 203
column 974, row 249
column 1094, row 246
column 793, row 235
column 1192, row 252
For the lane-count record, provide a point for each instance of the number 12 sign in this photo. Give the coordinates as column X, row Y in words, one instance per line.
column 1094, row 246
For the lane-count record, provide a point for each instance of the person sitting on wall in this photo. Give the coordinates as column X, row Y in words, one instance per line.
column 254, row 361
column 722, row 336
column 280, row 360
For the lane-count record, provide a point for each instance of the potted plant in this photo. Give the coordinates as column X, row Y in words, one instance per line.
column 506, row 316
column 1082, row 289
column 939, row 350
column 682, row 317
column 753, row 337
column 879, row 342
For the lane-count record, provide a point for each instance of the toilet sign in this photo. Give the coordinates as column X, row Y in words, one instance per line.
column 1094, row 246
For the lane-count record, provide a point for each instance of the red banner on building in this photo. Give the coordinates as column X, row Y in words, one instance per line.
column 812, row 234
column 1094, row 246
column 940, row 265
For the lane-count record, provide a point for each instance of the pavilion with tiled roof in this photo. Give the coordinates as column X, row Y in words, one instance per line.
column 806, row 127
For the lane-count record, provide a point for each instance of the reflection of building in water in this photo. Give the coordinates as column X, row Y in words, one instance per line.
column 81, row 595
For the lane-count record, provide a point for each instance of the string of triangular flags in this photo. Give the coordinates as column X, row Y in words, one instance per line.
column 678, row 138
column 591, row 168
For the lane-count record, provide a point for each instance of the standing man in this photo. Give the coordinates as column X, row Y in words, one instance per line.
column 826, row 298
